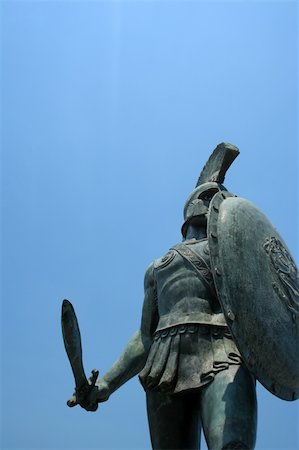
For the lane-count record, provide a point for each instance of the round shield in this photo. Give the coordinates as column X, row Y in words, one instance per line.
column 257, row 284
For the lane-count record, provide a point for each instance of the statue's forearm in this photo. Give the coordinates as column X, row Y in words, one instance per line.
column 129, row 363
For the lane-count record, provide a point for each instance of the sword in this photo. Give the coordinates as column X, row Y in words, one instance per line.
column 72, row 343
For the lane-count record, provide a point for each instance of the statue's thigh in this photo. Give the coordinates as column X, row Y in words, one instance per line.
column 173, row 421
column 229, row 411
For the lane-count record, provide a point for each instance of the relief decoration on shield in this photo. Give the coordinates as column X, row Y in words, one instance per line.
column 283, row 265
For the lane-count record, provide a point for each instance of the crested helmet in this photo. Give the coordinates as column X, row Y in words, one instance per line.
column 209, row 182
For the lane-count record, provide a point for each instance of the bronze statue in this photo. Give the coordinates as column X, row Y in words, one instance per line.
column 220, row 310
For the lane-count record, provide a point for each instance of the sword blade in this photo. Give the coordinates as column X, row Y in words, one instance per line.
column 72, row 343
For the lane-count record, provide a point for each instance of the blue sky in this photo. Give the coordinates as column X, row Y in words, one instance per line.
column 108, row 112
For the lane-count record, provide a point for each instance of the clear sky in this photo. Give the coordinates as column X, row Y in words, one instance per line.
column 108, row 112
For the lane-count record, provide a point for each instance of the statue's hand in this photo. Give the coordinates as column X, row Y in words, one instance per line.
column 100, row 392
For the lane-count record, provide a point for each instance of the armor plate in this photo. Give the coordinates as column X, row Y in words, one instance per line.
column 257, row 285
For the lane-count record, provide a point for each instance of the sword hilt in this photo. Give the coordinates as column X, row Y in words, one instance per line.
column 82, row 393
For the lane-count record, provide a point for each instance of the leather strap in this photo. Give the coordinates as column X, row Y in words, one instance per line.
column 198, row 263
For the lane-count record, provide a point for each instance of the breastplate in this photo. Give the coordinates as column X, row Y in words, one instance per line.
column 183, row 295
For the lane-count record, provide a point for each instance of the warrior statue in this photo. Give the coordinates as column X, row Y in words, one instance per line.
column 220, row 311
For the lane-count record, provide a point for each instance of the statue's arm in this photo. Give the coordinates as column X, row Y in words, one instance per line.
column 133, row 358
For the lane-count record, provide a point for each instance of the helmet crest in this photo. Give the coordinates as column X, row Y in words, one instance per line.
column 210, row 179
column 218, row 164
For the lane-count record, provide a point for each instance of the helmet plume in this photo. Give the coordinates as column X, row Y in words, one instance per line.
column 218, row 164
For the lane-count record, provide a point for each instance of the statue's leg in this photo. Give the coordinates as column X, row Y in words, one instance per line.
column 174, row 421
column 229, row 410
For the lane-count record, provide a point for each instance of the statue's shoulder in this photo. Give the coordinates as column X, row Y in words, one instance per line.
column 149, row 279
column 158, row 263
column 165, row 260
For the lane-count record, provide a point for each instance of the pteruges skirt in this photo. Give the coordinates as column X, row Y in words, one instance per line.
column 188, row 356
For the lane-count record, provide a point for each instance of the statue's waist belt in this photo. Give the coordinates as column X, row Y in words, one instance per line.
column 192, row 328
column 172, row 319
